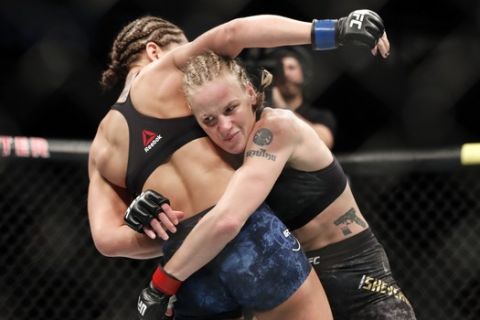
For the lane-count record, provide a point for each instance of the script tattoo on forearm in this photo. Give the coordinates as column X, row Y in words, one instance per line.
column 263, row 137
column 262, row 153
column 348, row 218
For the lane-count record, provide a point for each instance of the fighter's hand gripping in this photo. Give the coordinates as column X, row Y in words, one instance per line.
column 150, row 212
column 155, row 301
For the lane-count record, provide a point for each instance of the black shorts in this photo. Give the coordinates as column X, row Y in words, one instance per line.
column 358, row 281
column 258, row 270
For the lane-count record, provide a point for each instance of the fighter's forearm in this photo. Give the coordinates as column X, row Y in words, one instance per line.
column 212, row 233
column 221, row 224
column 269, row 31
column 124, row 242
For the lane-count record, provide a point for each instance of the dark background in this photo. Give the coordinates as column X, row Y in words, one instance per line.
column 424, row 96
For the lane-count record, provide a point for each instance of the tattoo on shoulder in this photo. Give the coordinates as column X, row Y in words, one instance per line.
column 348, row 218
column 263, row 137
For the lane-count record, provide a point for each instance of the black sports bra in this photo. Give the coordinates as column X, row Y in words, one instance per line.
column 152, row 141
column 298, row 196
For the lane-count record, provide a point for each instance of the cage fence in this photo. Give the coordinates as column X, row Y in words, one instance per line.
column 425, row 214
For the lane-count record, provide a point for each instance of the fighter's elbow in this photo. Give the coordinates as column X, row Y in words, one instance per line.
column 228, row 227
column 105, row 246
column 228, row 40
column 105, row 250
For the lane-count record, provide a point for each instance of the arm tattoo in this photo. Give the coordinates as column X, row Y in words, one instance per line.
column 262, row 153
column 348, row 218
column 263, row 137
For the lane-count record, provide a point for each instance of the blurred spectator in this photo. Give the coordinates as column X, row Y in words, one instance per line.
column 289, row 92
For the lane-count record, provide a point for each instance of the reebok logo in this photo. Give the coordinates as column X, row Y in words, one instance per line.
column 150, row 139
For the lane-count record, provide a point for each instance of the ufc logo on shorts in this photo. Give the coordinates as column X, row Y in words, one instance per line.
column 314, row 260
column 357, row 20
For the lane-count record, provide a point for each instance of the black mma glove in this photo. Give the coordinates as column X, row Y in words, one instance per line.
column 360, row 27
column 152, row 304
column 154, row 300
column 144, row 209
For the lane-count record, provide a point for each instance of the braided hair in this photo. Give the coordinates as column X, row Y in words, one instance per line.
column 209, row 66
column 131, row 41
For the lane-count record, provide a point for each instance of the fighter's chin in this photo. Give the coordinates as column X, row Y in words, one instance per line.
column 233, row 149
column 234, row 145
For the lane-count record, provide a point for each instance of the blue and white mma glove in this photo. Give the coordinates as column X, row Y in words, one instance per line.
column 359, row 28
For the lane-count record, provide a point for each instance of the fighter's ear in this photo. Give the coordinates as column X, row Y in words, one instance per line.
column 153, row 50
column 252, row 94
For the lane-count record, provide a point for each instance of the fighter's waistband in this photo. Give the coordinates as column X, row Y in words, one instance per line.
column 185, row 226
column 347, row 248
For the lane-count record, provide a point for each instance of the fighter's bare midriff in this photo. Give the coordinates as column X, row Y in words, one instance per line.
column 196, row 173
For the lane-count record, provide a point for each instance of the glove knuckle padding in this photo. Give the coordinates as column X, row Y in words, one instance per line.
column 141, row 215
column 147, row 207
column 156, row 198
column 361, row 27
column 374, row 16
column 144, row 209
column 375, row 27
column 131, row 221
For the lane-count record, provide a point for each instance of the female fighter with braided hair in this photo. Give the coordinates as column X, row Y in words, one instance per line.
column 149, row 140
column 306, row 188
column 285, row 160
